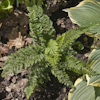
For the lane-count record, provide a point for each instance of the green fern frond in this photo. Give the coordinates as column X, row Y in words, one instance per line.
column 36, row 77
column 29, row 90
column 61, row 75
column 71, row 35
column 66, row 40
column 52, row 54
column 60, row 51
column 41, row 26
column 24, row 57
column 76, row 65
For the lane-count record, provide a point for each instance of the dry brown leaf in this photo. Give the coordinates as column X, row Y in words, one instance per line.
column 29, row 40
column 0, row 24
column 0, row 55
column 1, row 64
column 4, row 58
column 4, row 49
column 18, row 42
column 0, row 43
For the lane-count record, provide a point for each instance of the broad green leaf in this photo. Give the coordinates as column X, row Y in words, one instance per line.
column 78, row 81
column 87, row 12
column 95, row 80
column 70, row 93
column 82, row 91
column 94, row 61
column 6, row 7
column 7, row 4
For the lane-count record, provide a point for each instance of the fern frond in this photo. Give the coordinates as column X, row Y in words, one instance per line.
column 36, row 77
column 23, row 57
column 41, row 26
column 76, row 65
column 71, row 35
column 66, row 39
column 53, row 57
column 61, row 75
column 52, row 54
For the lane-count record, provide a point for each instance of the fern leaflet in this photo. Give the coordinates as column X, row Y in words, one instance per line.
column 25, row 56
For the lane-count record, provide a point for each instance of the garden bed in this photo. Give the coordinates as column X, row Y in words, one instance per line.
column 14, row 34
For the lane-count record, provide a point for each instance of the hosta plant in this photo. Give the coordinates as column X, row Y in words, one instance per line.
column 87, row 87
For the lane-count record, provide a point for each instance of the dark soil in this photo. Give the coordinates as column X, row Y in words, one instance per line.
column 12, row 87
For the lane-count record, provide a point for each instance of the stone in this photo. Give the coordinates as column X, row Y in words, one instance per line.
column 8, row 89
column 14, row 79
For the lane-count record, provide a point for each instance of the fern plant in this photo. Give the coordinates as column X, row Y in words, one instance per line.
column 48, row 54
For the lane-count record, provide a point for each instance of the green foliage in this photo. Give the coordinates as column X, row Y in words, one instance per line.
column 88, row 88
column 25, row 56
column 79, row 45
column 86, row 12
column 6, row 7
column 52, row 53
column 38, row 75
column 82, row 91
column 47, row 54
column 30, row 3
column 20, row 1
column 33, row 56
column 76, row 65
column 40, row 26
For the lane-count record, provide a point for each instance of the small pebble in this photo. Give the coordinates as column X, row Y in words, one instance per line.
column 8, row 89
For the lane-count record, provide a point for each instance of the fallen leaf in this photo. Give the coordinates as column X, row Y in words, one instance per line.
column 29, row 40
column 0, row 24
column 0, row 55
column 18, row 42
column 3, row 58
column 1, row 63
column 4, row 49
